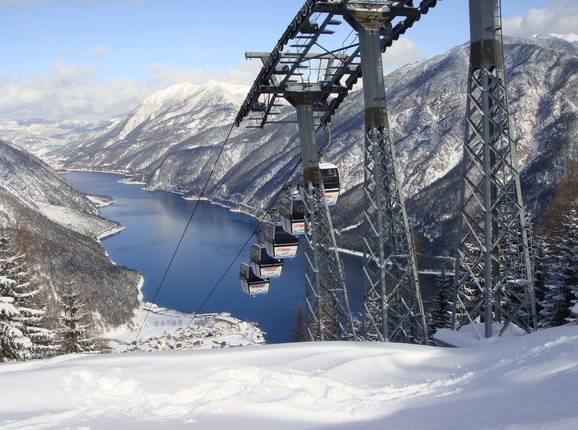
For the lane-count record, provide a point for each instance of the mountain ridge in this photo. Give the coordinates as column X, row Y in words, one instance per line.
column 426, row 103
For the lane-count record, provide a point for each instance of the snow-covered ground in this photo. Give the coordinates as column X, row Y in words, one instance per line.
column 166, row 330
column 86, row 224
column 100, row 201
column 526, row 383
column 473, row 335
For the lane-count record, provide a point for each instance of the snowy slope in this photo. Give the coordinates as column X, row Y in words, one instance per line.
column 528, row 383
column 62, row 227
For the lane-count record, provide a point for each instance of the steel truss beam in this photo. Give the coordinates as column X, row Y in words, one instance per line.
column 393, row 307
column 329, row 315
column 495, row 282
column 293, row 51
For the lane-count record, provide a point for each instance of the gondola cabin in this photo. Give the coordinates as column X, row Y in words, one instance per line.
column 251, row 283
column 292, row 213
column 263, row 265
column 331, row 183
column 279, row 243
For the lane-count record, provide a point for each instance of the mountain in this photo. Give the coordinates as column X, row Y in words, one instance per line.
column 58, row 228
column 41, row 137
column 164, row 120
column 171, row 144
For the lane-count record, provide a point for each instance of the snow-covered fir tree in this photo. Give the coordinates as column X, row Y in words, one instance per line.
column 470, row 292
column 36, row 327
column 441, row 313
column 562, row 273
column 27, row 314
column 73, row 334
column 14, row 344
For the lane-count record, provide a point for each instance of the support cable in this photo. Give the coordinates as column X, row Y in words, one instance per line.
column 176, row 250
column 257, row 228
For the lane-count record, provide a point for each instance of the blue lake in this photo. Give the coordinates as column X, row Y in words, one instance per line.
column 153, row 224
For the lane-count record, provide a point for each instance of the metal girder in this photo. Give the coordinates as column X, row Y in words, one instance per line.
column 495, row 281
column 393, row 306
column 304, row 32
column 329, row 315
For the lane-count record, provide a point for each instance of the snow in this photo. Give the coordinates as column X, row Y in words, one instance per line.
column 166, row 329
column 100, row 201
column 80, row 222
column 473, row 335
column 574, row 309
column 181, row 98
column 525, row 383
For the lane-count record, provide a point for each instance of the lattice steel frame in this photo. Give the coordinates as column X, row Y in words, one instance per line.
column 329, row 315
column 393, row 306
column 495, row 282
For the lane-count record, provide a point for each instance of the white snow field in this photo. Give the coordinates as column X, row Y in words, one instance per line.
column 528, row 382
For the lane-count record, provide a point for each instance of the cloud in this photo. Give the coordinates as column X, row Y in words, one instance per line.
column 99, row 51
column 570, row 37
column 68, row 92
column 402, row 52
column 244, row 74
column 78, row 92
column 560, row 17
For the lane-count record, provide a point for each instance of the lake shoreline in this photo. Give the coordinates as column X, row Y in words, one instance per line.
column 230, row 206
column 146, row 244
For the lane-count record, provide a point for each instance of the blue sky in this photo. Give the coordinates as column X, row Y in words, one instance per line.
column 132, row 47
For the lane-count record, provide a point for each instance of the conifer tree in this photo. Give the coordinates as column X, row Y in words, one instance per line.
column 442, row 310
column 470, row 292
column 74, row 326
column 14, row 344
column 35, row 321
column 298, row 333
column 562, row 274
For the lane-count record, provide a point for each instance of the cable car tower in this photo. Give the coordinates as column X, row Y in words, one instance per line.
column 495, row 273
column 314, row 66
column 393, row 307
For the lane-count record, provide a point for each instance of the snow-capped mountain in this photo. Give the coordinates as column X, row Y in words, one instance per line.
column 41, row 137
column 171, row 145
column 164, row 120
column 62, row 227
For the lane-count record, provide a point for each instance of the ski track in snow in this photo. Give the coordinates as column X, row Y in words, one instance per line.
column 528, row 382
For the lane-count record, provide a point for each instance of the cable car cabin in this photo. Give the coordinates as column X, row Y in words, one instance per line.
column 279, row 243
column 251, row 283
column 292, row 213
column 263, row 265
column 331, row 183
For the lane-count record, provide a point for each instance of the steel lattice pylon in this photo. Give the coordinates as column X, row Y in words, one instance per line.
column 393, row 310
column 328, row 313
column 393, row 307
column 329, row 316
column 494, row 281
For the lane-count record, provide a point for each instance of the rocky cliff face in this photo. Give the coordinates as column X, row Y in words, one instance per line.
column 171, row 140
column 58, row 229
